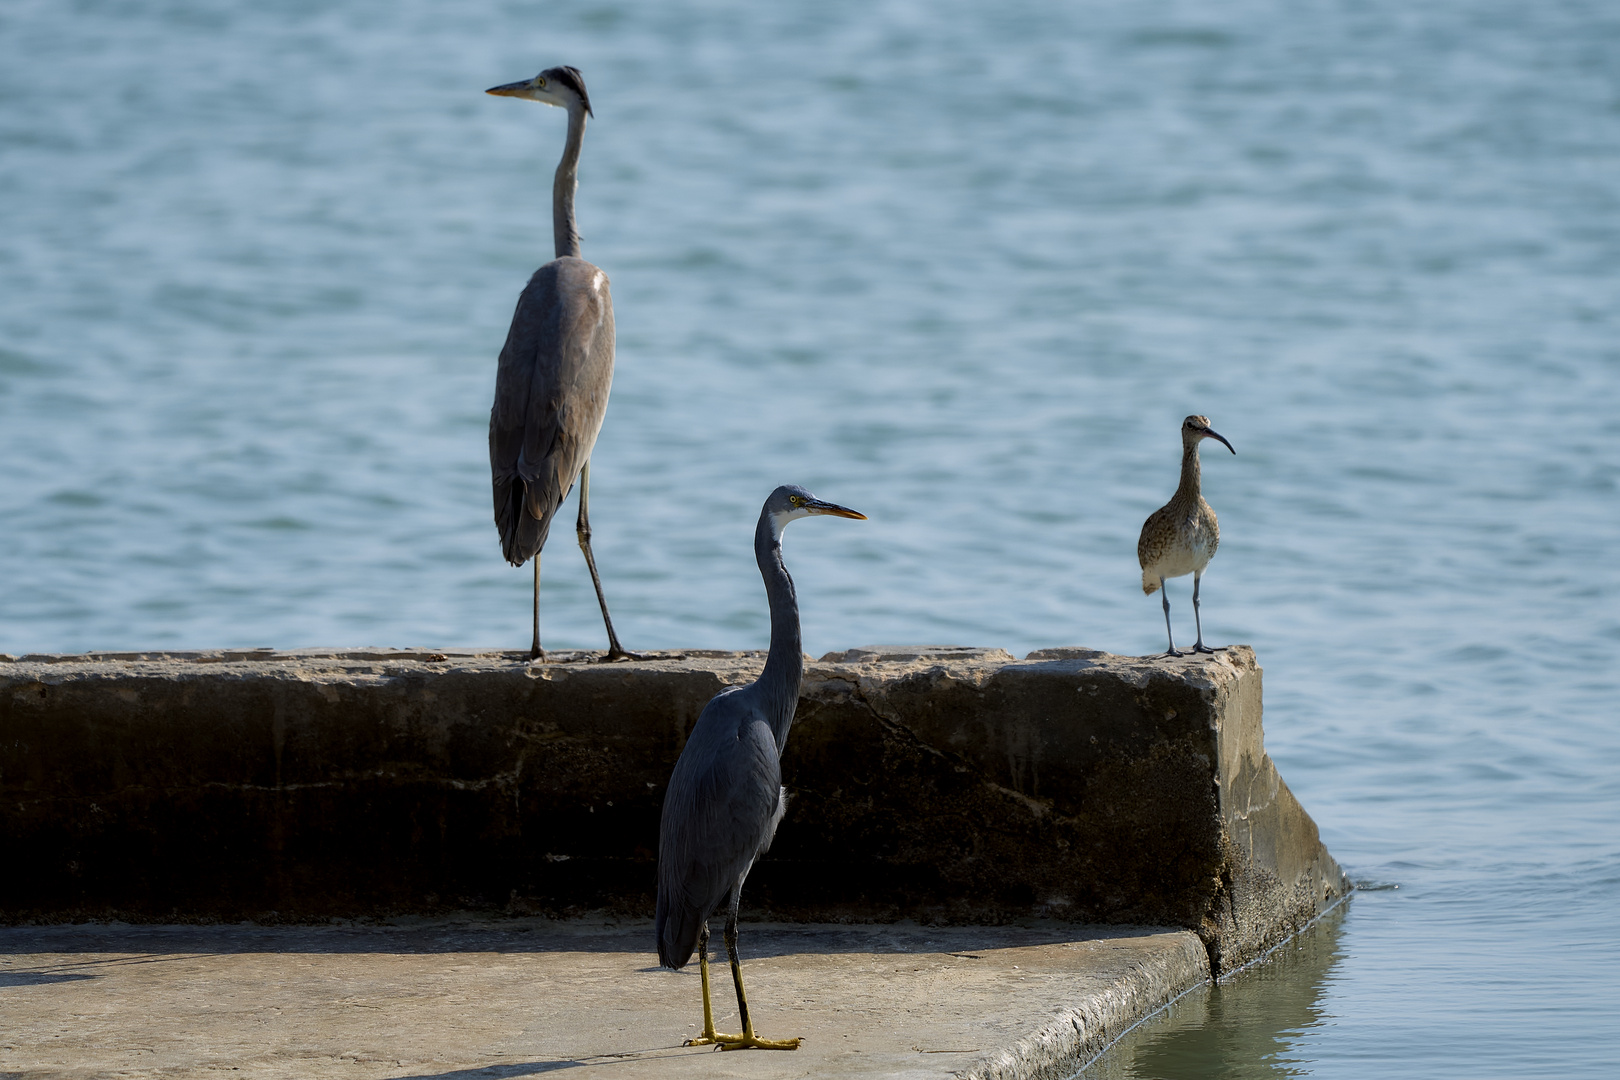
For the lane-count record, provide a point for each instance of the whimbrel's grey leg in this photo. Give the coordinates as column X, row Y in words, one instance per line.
column 1199, row 646
column 583, row 528
column 1164, row 594
column 535, row 651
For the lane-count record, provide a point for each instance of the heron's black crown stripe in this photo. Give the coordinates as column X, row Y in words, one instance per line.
column 570, row 77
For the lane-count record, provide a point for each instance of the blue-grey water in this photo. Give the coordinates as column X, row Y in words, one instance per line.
column 962, row 266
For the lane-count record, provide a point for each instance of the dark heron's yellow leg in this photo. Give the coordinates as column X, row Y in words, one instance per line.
column 747, row 1040
column 709, row 1034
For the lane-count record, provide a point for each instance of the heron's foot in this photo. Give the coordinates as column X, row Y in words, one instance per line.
column 712, row 1037
column 754, row 1042
column 1172, row 652
column 537, row 656
column 1201, row 647
column 616, row 654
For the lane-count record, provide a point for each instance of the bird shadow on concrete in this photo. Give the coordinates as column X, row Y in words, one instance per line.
column 536, row 1068
column 41, row 978
column 532, row 935
column 501, row 1072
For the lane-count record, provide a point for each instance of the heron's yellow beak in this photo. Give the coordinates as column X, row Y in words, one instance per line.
column 511, row 89
column 819, row 507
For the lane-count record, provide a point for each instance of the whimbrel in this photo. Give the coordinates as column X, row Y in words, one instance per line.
column 1182, row 535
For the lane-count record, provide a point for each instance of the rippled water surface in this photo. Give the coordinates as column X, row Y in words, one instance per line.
column 961, row 266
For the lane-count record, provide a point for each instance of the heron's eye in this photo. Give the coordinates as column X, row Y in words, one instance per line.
column 796, row 500
column 540, row 81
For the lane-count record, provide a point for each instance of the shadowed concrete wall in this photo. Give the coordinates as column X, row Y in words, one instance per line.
column 945, row 784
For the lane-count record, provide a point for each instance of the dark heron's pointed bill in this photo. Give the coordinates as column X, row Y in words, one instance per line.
column 511, row 89
column 1211, row 433
column 818, row 507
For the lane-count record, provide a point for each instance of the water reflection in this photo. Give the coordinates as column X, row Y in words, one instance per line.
column 1247, row 1026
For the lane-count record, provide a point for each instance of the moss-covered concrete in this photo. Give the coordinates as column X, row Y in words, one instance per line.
column 956, row 785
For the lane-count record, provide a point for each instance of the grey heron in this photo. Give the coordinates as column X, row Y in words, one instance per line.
column 725, row 797
column 1181, row 536
column 555, row 371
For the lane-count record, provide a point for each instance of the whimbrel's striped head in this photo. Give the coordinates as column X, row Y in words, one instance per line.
column 1196, row 428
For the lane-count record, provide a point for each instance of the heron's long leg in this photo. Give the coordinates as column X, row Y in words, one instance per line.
column 1165, row 595
column 583, row 529
column 748, row 1041
column 709, row 1034
column 1199, row 646
column 535, row 651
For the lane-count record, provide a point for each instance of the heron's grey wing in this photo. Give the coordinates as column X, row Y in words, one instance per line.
column 521, row 535
column 551, row 390
column 720, row 812
column 568, row 396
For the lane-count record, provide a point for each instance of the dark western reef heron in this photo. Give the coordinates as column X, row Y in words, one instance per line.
column 551, row 388
column 1181, row 536
column 725, row 796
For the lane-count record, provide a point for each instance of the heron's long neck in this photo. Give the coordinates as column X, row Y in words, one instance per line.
column 784, row 666
column 563, row 229
column 1190, row 478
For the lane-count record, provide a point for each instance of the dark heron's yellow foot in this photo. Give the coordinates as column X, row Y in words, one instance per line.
column 620, row 654
column 712, row 1037
column 753, row 1042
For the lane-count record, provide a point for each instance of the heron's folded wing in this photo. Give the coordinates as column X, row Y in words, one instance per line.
column 514, row 372
column 521, row 534
column 572, row 376
column 551, row 389
column 721, row 803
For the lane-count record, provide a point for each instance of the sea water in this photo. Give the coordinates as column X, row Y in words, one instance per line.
column 963, row 267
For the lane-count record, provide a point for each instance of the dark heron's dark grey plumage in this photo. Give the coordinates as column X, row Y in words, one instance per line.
column 551, row 387
column 725, row 797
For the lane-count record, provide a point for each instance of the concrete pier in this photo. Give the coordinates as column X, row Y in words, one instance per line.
column 943, row 801
column 526, row 997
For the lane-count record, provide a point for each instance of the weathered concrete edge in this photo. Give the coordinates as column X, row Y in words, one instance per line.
column 1265, row 954
column 1076, row 1036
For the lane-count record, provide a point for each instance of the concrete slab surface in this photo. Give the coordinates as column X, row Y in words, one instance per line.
column 464, row 998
